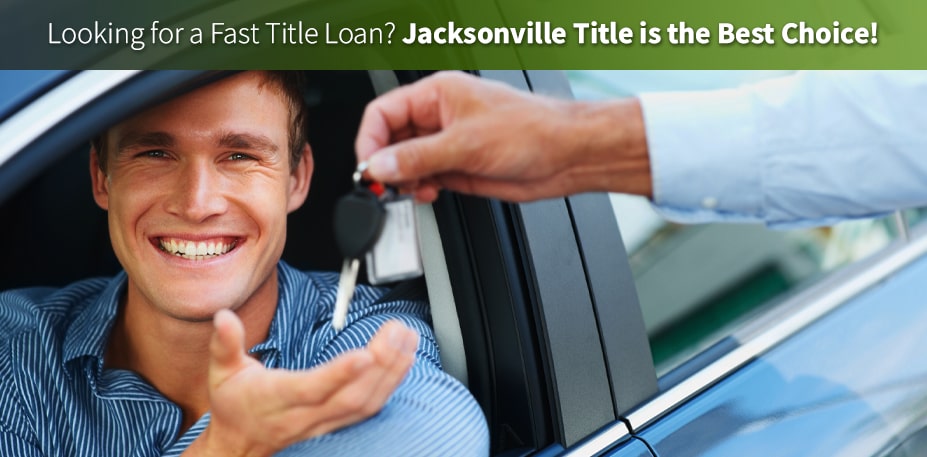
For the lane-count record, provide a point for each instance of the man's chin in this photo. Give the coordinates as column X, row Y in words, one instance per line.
column 198, row 307
column 193, row 318
column 198, row 298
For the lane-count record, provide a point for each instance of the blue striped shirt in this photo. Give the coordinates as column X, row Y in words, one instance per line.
column 56, row 398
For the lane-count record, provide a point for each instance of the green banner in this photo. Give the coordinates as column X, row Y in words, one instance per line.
column 466, row 34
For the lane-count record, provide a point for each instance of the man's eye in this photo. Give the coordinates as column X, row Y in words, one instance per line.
column 240, row 156
column 153, row 154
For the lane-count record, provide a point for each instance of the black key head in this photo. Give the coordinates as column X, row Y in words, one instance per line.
column 358, row 221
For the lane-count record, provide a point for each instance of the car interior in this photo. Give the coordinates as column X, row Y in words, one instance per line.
column 56, row 235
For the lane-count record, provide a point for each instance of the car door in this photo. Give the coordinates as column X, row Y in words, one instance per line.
column 828, row 364
column 556, row 348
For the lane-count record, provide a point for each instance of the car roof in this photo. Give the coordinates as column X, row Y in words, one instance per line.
column 19, row 87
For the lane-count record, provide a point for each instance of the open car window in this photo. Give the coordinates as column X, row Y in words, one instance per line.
column 722, row 275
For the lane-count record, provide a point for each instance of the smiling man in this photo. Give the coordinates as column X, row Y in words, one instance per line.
column 154, row 361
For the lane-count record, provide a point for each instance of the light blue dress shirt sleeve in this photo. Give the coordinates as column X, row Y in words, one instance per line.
column 808, row 149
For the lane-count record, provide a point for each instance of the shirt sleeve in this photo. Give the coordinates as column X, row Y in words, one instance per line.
column 808, row 149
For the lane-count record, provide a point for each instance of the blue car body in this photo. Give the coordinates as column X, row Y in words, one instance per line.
column 854, row 383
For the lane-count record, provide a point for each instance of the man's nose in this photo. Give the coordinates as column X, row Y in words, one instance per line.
column 198, row 193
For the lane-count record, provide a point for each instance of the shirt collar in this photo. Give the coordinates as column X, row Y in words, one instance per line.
column 278, row 334
column 88, row 333
column 89, row 330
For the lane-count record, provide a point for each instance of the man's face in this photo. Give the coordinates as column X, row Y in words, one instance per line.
column 197, row 191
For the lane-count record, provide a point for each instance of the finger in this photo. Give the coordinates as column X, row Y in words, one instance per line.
column 227, row 347
column 395, row 353
column 512, row 190
column 426, row 193
column 419, row 158
column 366, row 395
column 397, row 371
column 388, row 342
column 409, row 108
column 374, row 132
column 348, row 404
column 317, row 385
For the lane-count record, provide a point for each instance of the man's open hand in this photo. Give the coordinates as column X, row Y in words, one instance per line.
column 257, row 411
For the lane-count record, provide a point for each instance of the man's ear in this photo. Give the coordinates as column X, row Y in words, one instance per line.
column 100, row 183
column 300, row 179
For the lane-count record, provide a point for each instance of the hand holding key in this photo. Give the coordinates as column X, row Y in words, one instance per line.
column 458, row 132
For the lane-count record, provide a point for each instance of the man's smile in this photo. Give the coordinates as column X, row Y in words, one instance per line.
column 199, row 249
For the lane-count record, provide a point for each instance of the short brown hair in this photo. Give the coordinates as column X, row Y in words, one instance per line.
column 289, row 84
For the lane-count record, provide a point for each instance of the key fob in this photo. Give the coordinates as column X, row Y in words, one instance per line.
column 396, row 255
column 358, row 221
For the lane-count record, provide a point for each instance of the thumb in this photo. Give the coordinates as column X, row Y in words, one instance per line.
column 417, row 158
column 227, row 348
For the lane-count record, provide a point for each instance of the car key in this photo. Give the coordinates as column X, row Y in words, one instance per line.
column 358, row 221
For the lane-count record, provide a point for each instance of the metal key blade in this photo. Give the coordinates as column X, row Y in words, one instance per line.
column 346, row 284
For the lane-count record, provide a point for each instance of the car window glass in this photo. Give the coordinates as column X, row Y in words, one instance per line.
column 697, row 283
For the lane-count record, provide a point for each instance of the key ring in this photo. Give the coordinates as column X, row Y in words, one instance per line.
column 376, row 187
column 358, row 175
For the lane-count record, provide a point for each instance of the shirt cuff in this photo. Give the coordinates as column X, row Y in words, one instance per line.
column 705, row 160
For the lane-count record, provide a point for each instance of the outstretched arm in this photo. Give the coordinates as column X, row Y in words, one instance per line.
column 804, row 149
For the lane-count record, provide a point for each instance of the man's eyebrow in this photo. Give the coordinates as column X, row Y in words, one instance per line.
column 247, row 141
column 134, row 140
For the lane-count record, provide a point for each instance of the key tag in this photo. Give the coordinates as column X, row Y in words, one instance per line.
column 396, row 255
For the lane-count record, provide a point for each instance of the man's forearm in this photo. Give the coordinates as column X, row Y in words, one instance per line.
column 610, row 145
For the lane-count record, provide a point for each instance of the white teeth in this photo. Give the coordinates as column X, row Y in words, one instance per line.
column 195, row 250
